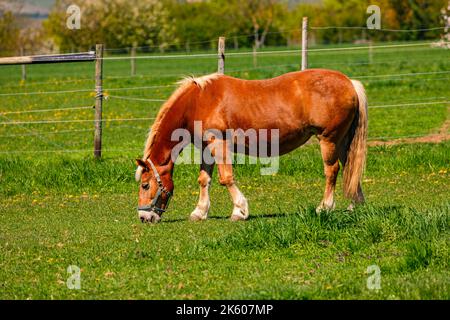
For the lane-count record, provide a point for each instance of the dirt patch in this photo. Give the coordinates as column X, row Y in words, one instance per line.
column 443, row 134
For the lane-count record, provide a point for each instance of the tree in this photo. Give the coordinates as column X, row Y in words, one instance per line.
column 116, row 23
column 261, row 15
column 9, row 32
column 445, row 36
column 292, row 21
column 198, row 24
column 417, row 14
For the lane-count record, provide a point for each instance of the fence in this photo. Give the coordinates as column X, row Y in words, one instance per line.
column 101, row 93
column 96, row 56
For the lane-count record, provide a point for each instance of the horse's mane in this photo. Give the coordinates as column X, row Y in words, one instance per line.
column 183, row 85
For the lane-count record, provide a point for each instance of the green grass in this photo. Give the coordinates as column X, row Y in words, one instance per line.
column 65, row 208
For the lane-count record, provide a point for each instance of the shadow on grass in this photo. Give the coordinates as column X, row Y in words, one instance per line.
column 251, row 217
column 270, row 215
column 362, row 211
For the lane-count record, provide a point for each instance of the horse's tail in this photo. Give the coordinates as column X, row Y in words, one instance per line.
column 357, row 149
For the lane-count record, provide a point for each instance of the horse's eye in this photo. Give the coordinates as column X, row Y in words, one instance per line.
column 145, row 186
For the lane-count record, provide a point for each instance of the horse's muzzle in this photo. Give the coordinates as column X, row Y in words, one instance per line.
column 149, row 216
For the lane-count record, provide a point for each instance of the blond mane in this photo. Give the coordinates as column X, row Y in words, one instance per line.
column 183, row 85
column 201, row 82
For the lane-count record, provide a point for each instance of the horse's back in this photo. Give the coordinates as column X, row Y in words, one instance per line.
column 310, row 98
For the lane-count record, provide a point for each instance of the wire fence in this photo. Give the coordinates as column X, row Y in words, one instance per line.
column 357, row 77
column 72, row 121
column 270, row 52
column 379, row 139
column 380, row 29
column 46, row 110
column 48, row 121
column 423, row 76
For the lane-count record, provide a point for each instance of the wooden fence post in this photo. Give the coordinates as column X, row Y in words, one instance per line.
column 133, row 60
column 24, row 69
column 305, row 43
column 221, row 56
column 98, row 100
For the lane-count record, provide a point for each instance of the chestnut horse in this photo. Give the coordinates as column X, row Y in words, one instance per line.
column 318, row 102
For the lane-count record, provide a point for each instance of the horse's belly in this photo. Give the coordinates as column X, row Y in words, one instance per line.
column 269, row 143
column 294, row 142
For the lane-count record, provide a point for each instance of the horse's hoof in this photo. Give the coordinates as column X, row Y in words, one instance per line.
column 320, row 209
column 197, row 215
column 194, row 217
column 324, row 207
column 237, row 215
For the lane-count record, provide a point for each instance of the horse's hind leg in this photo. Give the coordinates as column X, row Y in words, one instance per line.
column 204, row 180
column 357, row 199
column 330, row 158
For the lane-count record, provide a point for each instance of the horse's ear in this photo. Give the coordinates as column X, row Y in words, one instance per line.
column 138, row 173
column 141, row 163
column 141, row 167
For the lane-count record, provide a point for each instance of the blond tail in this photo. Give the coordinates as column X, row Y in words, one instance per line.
column 356, row 154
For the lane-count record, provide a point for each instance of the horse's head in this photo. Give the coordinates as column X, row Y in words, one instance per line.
column 155, row 190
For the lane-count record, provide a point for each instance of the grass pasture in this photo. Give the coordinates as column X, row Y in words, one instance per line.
column 60, row 207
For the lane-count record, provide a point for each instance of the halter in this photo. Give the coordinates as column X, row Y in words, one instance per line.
column 152, row 206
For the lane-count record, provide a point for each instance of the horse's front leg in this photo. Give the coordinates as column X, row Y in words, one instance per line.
column 225, row 168
column 204, row 180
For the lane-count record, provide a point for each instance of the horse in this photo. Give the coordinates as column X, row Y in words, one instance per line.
column 315, row 102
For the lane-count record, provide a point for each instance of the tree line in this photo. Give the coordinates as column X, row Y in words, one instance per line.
column 162, row 25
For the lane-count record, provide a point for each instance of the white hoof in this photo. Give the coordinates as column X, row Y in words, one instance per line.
column 240, row 213
column 198, row 215
column 323, row 207
column 237, row 217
